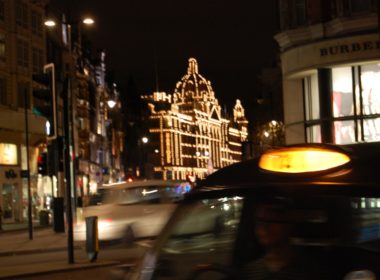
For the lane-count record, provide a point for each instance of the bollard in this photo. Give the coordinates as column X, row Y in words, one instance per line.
column 44, row 217
column 58, row 217
column 92, row 240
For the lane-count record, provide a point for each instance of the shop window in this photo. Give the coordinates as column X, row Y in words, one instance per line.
column 311, row 95
column 344, row 132
column 313, row 134
column 371, row 130
column 369, row 77
column 343, row 104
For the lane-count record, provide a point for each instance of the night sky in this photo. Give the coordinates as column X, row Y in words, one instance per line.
column 232, row 41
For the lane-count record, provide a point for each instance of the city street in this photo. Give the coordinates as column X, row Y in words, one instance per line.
column 30, row 259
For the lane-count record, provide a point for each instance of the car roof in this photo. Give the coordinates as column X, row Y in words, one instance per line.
column 361, row 175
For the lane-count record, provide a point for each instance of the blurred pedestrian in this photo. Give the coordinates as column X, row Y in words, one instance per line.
column 274, row 223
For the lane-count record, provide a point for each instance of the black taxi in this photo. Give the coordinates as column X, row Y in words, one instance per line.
column 309, row 211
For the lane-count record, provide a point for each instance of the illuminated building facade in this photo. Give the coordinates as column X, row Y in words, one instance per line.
column 189, row 134
column 330, row 54
column 22, row 53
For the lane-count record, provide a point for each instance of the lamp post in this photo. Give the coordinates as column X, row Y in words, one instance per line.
column 111, row 103
column 30, row 223
column 144, row 141
column 68, row 131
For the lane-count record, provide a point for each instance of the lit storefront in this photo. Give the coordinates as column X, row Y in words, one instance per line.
column 190, row 134
column 332, row 90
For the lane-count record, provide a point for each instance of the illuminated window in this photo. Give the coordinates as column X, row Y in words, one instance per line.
column 356, row 104
column 370, row 75
column 344, row 132
column 371, row 129
column 313, row 134
column 342, row 92
column 311, row 97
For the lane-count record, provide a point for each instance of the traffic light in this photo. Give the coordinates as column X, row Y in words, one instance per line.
column 42, row 164
column 44, row 98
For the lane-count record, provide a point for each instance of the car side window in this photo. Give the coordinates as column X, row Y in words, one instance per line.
column 205, row 233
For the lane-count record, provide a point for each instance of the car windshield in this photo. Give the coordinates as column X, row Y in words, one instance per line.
column 336, row 234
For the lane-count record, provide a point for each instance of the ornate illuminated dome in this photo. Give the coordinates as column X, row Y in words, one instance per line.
column 193, row 86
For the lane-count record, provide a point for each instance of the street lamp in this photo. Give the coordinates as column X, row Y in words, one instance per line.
column 68, row 130
column 111, row 103
column 143, row 142
column 51, row 22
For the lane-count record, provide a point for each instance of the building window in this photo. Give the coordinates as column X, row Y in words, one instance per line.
column 2, row 10
column 311, row 95
column 36, row 23
column 23, row 91
column 356, row 105
column 292, row 13
column 300, row 17
column 369, row 77
column 361, row 6
column 21, row 13
column 312, row 113
column 22, row 53
column 3, row 92
column 342, row 92
column 38, row 60
column 2, row 47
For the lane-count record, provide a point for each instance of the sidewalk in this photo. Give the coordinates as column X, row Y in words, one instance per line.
column 15, row 242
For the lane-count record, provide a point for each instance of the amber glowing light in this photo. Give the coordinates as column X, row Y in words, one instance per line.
column 301, row 160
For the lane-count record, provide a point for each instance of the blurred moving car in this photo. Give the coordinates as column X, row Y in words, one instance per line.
column 319, row 202
column 130, row 210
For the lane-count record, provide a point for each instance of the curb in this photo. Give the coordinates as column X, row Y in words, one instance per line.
column 35, row 251
column 61, row 268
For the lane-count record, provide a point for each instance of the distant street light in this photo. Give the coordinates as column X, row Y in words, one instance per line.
column 111, row 103
column 88, row 21
column 49, row 22
column 145, row 140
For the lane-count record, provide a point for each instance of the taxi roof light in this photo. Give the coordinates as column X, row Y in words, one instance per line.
column 302, row 159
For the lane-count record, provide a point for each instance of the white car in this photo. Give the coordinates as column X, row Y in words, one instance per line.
column 130, row 210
